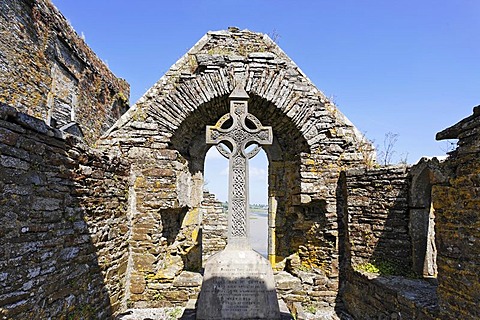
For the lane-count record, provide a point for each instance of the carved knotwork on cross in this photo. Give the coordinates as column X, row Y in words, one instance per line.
column 234, row 134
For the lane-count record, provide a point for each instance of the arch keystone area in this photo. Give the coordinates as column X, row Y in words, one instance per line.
column 163, row 136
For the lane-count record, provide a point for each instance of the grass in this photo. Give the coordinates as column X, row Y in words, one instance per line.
column 385, row 268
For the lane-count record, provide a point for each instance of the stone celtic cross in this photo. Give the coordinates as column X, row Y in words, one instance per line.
column 234, row 135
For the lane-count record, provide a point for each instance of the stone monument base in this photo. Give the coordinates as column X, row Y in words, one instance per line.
column 238, row 284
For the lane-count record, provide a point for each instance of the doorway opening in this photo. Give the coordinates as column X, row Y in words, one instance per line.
column 216, row 182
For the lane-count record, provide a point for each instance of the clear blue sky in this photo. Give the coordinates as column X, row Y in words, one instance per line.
column 410, row 67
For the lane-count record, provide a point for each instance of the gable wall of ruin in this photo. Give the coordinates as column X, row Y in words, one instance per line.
column 122, row 226
column 163, row 137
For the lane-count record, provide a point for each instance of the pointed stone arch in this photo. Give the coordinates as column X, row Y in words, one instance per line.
column 163, row 135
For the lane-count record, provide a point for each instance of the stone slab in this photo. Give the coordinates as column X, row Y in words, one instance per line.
column 238, row 284
column 188, row 279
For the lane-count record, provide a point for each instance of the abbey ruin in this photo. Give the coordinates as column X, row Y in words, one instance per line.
column 102, row 207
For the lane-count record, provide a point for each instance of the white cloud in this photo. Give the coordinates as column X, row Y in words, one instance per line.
column 224, row 172
column 258, row 174
column 213, row 154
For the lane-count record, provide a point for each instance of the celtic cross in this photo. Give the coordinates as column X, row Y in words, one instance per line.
column 234, row 135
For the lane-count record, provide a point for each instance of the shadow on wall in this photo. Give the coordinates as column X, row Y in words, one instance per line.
column 248, row 297
column 391, row 221
column 63, row 241
column 343, row 241
column 377, row 250
column 179, row 236
column 172, row 223
column 378, row 215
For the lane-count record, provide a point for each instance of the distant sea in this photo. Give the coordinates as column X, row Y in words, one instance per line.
column 259, row 230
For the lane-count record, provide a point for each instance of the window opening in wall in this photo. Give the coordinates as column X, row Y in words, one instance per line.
column 216, row 182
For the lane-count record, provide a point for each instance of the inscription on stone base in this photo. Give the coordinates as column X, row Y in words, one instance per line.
column 238, row 284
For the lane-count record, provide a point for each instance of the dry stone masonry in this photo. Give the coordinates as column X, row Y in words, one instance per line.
column 456, row 205
column 214, row 226
column 89, row 233
column 47, row 71
column 380, row 281
column 377, row 205
column 64, row 228
column 312, row 142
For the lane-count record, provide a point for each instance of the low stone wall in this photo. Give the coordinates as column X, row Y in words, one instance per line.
column 311, row 287
column 370, row 296
column 378, row 246
column 457, row 210
column 64, row 234
column 214, row 226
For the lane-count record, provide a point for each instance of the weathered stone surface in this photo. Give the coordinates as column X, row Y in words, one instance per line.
column 173, row 266
column 371, row 296
column 48, row 72
column 188, row 279
column 286, row 281
column 137, row 284
column 457, row 222
column 377, row 201
column 209, row 60
column 68, row 227
column 424, row 175
column 261, row 55
column 63, row 242
column 307, row 277
column 214, row 226
column 144, row 261
column 313, row 141
column 238, row 284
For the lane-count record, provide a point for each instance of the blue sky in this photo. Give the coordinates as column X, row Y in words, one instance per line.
column 408, row 67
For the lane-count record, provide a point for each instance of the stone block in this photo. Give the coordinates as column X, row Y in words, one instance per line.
column 143, row 261
column 188, row 279
column 287, row 282
column 8, row 137
column 238, row 284
column 261, row 55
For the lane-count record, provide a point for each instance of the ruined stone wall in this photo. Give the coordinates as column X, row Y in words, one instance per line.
column 424, row 175
column 64, row 234
column 163, row 136
column 378, row 216
column 378, row 249
column 164, row 222
column 457, row 210
column 214, row 226
column 370, row 296
column 47, row 70
column 390, row 217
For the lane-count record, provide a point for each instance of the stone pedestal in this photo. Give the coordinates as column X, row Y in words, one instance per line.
column 238, row 284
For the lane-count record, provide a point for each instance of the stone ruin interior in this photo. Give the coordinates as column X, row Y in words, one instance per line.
column 103, row 209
